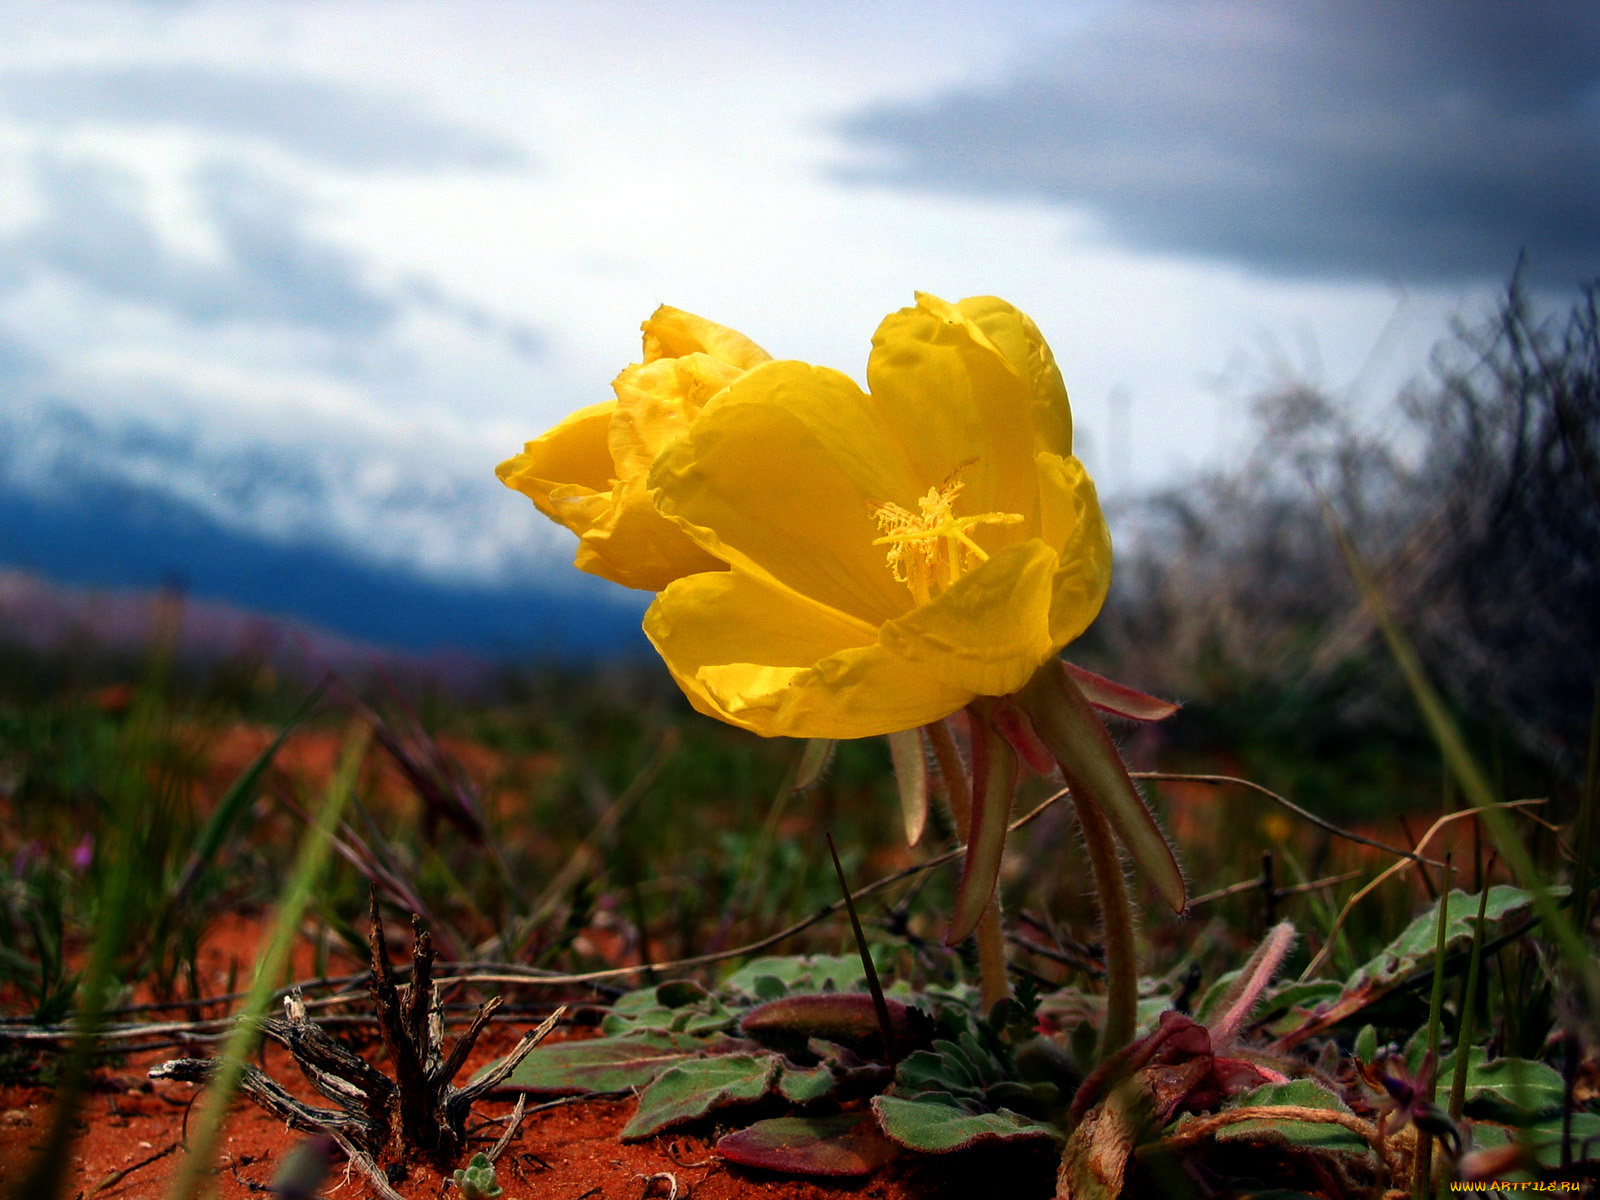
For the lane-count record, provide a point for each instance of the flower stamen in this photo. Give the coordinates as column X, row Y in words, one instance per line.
column 931, row 548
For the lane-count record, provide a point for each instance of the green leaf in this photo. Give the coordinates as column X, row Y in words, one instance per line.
column 1412, row 954
column 676, row 993
column 234, row 802
column 1414, row 947
column 803, row 1085
column 690, row 1090
column 811, row 973
column 1366, row 1044
column 842, row 1145
column 937, row 1123
column 767, row 987
column 600, row 1064
column 1307, row 1135
column 1544, row 1139
column 644, row 1012
column 1509, row 1090
column 930, row 1071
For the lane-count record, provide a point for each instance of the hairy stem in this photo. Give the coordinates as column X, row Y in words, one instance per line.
column 992, row 979
column 1116, row 916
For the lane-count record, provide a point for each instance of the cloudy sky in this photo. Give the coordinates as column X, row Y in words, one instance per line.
column 314, row 268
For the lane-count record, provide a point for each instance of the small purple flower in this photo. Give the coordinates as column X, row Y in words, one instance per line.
column 1407, row 1098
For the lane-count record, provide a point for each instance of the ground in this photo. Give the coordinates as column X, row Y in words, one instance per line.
column 131, row 1134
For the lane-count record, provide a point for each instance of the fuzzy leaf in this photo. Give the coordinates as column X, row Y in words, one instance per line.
column 1509, row 1090
column 842, row 1145
column 689, row 1009
column 599, row 1064
column 848, row 1018
column 1279, row 1000
column 809, row 973
column 1544, row 1139
column 690, row 1090
column 1366, row 1045
column 1411, row 954
column 803, row 1085
column 1306, row 1135
column 937, row 1123
column 933, row 1071
column 676, row 993
column 1414, row 947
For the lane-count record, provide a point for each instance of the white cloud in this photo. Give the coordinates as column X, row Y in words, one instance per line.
column 396, row 298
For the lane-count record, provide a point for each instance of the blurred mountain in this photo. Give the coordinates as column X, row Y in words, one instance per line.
column 123, row 537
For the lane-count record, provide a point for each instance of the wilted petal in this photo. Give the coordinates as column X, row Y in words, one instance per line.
column 911, row 778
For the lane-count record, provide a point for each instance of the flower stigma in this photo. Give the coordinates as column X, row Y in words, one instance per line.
column 930, row 549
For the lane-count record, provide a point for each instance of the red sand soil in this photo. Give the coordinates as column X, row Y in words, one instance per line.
column 130, row 1137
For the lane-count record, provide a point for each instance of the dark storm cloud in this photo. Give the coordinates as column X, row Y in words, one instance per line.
column 1402, row 140
column 309, row 117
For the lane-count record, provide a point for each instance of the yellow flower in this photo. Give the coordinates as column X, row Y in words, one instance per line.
column 892, row 554
column 589, row 472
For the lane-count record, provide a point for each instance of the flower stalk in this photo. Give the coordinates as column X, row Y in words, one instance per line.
column 993, row 983
column 1064, row 721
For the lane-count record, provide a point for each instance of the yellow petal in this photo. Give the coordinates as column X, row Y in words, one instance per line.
column 630, row 543
column 988, row 633
column 671, row 332
column 1014, row 334
column 568, row 475
column 953, row 398
column 781, row 474
column 656, row 400
column 1071, row 522
column 778, row 664
column 564, row 469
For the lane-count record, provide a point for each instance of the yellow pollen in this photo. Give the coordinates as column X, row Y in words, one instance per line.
column 930, row 549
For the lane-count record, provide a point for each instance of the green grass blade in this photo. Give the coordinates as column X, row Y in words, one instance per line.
column 1474, row 784
column 1469, row 1012
column 315, row 851
column 1424, row 1163
column 234, row 802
